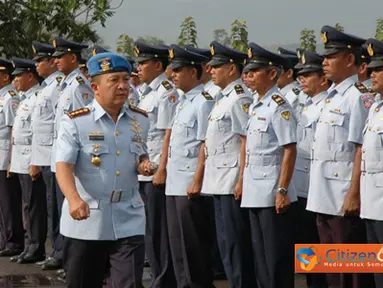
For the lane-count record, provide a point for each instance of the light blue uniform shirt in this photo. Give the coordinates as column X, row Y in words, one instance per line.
column 305, row 135
column 159, row 99
column 227, row 122
column 9, row 101
column 212, row 89
column 133, row 96
column 110, row 189
column 75, row 93
column 22, row 133
column 339, row 128
column 188, row 133
column 272, row 125
column 42, row 120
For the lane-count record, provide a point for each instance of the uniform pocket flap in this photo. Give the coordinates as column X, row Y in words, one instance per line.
column 96, row 149
column 92, row 202
column 337, row 173
column 4, row 144
column 136, row 148
column 261, row 126
column 137, row 200
column 150, row 109
column 336, row 119
column 44, row 140
column 302, row 165
column 225, row 161
column 189, row 123
column 263, row 172
column 186, row 164
column 378, row 179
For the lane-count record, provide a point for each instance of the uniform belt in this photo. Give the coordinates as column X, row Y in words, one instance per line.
column 120, row 195
column 263, row 160
column 55, row 134
column 371, row 166
column 224, row 149
column 332, row 156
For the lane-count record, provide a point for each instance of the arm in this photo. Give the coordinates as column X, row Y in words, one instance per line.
column 160, row 176
column 195, row 187
column 242, row 158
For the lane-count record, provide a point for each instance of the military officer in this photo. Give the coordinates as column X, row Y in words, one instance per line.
column 363, row 71
column 159, row 99
column 11, row 226
column 32, row 187
column 83, row 68
column 186, row 208
column 371, row 163
column 42, row 140
column 103, row 216
column 315, row 85
column 267, row 164
column 287, row 81
column 226, row 127
column 335, row 167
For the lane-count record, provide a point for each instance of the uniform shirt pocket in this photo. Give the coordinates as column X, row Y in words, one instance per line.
column 93, row 151
column 136, row 149
column 337, row 132
column 223, row 122
column 186, row 164
column 378, row 179
column 44, row 140
column 137, row 200
column 339, row 172
column 225, row 161
column 260, row 137
column 4, row 144
column 189, row 128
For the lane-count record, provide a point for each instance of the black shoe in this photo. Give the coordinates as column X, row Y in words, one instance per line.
column 17, row 257
column 9, row 252
column 219, row 276
column 60, row 271
column 51, row 264
column 29, row 259
column 41, row 263
column 146, row 263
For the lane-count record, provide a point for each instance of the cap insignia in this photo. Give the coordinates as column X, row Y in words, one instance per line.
column 105, row 64
column 34, row 49
column 250, row 53
column 370, row 50
column 212, row 52
column 324, row 37
column 54, row 43
column 171, row 53
column 303, row 58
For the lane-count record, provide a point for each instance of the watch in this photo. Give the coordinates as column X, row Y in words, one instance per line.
column 282, row 191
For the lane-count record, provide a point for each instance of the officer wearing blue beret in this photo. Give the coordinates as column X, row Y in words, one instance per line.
column 100, row 150
column 334, row 192
column 270, row 148
column 42, row 141
column 224, row 137
column 187, row 210
column 372, row 172
column 159, row 99
column 11, row 229
column 32, row 188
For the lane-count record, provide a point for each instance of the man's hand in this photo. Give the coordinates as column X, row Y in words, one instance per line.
column 351, row 204
column 238, row 190
column 282, row 203
column 159, row 178
column 79, row 210
column 144, row 168
column 34, row 172
column 194, row 189
column 9, row 173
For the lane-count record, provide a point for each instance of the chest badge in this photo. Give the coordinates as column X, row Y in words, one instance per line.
column 137, row 131
column 96, row 161
column 286, row 115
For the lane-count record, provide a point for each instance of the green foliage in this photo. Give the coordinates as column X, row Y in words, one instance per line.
column 125, row 45
column 339, row 27
column 22, row 21
column 239, row 34
column 379, row 29
column 188, row 35
column 221, row 36
column 152, row 40
column 308, row 41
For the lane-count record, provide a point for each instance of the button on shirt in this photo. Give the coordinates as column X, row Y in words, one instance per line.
column 22, row 133
column 305, row 136
column 188, row 133
column 42, row 120
column 339, row 128
column 9, row 101
column 227, row 122
column 271, row 127
column 371, row 182
column 160, row 103
column 105, row 179
column 75, row 93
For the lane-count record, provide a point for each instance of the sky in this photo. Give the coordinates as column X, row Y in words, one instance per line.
column 269, row 22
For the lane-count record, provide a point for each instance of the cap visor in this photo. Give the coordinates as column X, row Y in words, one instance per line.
column 143, row 59
column 330, row 51
column 375, row 64
column 17, row 71
column 309, row 70
column 216, row 62
column 58, row 53
column 38, row 57
column 253, row 66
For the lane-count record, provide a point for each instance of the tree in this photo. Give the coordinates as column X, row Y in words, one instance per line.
column 308, row 41
column 125, row 45
column 379, row 29
column 188, row 35
column 152, row 40
column 239, row 35
column 339, row 27
column 221, row 36
column 41, row 20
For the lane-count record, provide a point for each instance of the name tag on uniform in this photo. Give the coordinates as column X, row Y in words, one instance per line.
column 336, row 111
column 96, row 136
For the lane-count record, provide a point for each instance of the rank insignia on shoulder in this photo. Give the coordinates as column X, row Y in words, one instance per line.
column 12, row 93
column 78, row 112
column 239, row 89
column 296, row 91
column 80, row 80
column 286, row 115
column 245, row 107
column 138, row 110
column 58, row 79
column 278, row 99
column 207, row 95
column 360, row 86
column 368, row 100
column 167, row 85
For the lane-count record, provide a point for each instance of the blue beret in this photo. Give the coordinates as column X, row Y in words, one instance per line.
column 375, row 51
column 180, row 57
column 259, row 57
column 42, row 50
column 23, row 65
column 336, row 41
column 63, row 46
column 222, row 54
column 108, row 62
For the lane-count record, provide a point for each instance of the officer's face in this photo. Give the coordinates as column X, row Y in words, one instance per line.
column 4, row 79
column 262, row 79
column 111, row 89
column 182, row 77
column 24, row 81
column 147, row 70
column 15, row 83
column 65, row 63
column 377, row 80
column 250, row 80
column 285, row 78
column 220, row 74
column 44, row 66
column 335, row 65
column 312, row 83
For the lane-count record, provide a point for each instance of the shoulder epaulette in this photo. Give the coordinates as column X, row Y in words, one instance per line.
column 238, row 88
column 12, row 93
column 138, row 110
column 207, row 95
column 59, row 78
column 296, row 91
column 80, row 80
column 278, row 99
column 167, row 85
column 78, row 112
column 360, row 86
